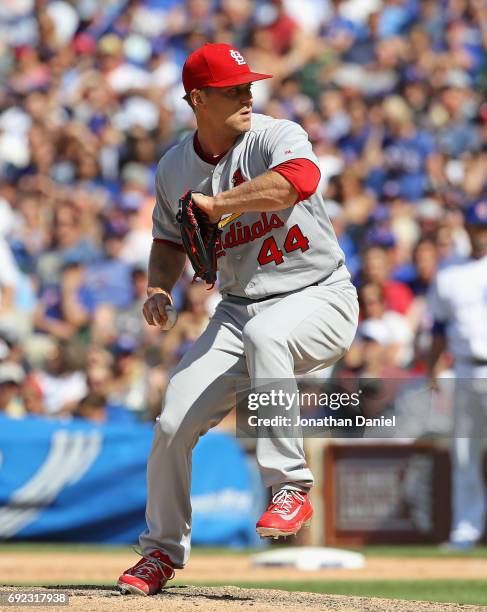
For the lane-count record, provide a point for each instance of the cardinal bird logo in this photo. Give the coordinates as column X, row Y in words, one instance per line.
column 237, row 178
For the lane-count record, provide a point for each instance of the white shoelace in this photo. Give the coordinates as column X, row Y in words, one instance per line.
column 284, row 500
column 151, row 565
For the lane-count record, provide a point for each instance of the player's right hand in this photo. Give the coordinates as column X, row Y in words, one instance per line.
column 154, row 308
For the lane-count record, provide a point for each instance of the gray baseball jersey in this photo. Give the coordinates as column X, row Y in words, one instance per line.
column 298, row 241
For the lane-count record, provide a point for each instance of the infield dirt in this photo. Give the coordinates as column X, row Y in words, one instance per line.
column 89, row 569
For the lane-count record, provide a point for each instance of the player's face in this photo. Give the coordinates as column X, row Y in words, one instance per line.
column 230, row 107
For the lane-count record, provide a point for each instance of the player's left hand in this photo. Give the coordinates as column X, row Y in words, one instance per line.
column 207, row 205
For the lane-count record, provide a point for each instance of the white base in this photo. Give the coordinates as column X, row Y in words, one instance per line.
column 310, row 558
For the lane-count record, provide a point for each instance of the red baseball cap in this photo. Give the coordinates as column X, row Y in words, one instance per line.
column 217, row 65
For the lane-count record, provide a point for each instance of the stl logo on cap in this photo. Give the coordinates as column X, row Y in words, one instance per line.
column 238, row 57
column 217, row 65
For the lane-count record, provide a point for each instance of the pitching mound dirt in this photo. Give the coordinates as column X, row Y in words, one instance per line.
column 228, row 599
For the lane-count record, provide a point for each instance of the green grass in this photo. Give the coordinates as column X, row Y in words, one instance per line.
column 369, row 551
column 420, row 551
column 444, row 591
column 47, row 547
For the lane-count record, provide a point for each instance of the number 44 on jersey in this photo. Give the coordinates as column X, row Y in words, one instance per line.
column 270, row 250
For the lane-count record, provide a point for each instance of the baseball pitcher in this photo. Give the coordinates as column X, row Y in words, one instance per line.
column 238, row 194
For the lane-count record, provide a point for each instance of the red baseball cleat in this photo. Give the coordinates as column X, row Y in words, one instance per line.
column 148, row 576
column 285, row 515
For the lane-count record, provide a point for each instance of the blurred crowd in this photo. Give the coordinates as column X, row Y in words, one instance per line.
column 391, row 92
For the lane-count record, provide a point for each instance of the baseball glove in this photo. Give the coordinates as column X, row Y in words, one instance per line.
column 200, row 238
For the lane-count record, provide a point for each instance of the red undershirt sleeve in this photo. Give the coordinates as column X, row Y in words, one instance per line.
column 175, row 245
column 303, row 175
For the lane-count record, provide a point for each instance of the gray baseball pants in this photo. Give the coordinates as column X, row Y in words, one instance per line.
column 297, row 333
column 468, row 447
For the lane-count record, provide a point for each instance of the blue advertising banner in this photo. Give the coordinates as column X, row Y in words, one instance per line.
column 79, row 482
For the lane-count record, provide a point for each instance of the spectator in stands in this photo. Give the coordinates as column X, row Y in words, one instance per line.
column 11, row 378
column 130, row 383
column 33, row 396
column 386, row 327
column 91, row 407
column 108, row 281
column 69, row 243
column 62, row 378
column 377, row 269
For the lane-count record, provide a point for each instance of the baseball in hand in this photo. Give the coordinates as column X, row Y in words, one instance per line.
column 172, row 317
